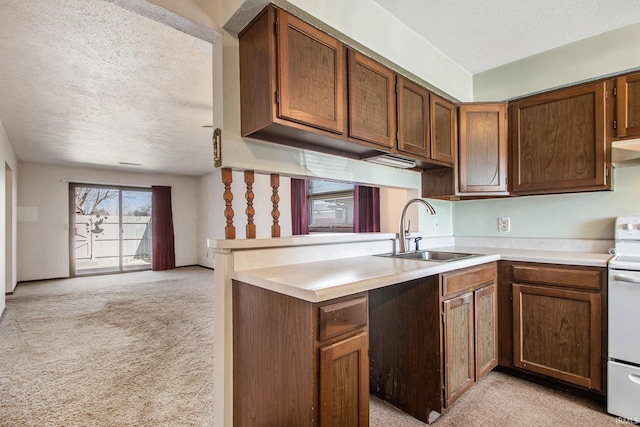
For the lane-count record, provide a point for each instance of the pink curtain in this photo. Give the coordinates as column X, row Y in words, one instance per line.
column 366, row 209
column 299, row 211
column 164, row 256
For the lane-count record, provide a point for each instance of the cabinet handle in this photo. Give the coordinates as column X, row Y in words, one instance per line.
column 634, row 378
column 623, row 278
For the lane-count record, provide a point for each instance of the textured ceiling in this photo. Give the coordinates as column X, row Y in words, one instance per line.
column 480, row 35
column 86, row 82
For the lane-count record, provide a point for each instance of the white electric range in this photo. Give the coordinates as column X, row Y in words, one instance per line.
column 623, row 366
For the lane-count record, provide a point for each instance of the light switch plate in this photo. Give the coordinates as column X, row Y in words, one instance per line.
column 504, row 224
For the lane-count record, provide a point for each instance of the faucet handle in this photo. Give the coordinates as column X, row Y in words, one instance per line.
column 417, row 242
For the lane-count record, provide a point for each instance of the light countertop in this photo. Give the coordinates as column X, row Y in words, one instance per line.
column 544, row 256
column 323, row 280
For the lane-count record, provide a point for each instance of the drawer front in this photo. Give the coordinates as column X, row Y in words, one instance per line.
column 468, row 279
column 342, row 317
column 568, row 277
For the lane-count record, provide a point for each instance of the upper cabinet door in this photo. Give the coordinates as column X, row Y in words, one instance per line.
column 443, row 130
column 558, row 141
column 413, row 119
column 483, row 148
column 628, row 105
column 311, row 75
column 372, row 106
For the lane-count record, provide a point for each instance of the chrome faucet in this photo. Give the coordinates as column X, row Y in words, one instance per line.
column 403, row 231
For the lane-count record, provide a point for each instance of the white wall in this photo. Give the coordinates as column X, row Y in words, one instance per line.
column 605, row 54
column 7, row 158
column 601, row 55
column 384, row 34
column 207, row 217
column 577, row 216
column 570, row 216
column 380, row 33
column 244, row 153
column 43, row 214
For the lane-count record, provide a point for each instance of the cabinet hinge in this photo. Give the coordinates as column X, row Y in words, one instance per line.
column 615, row 124
column 615, row 91
column 443, row 318
column 606, row 171
column 277, row 97
column 275, row 28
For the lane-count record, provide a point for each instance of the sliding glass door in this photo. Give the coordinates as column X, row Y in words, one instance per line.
column 111, row 229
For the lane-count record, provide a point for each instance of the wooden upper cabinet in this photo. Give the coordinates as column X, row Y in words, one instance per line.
column 443, row 130
column 558, row 141
column 483, row 142
column 372, row 101
column 413, row 119
column 628, row 105
column 311, row 64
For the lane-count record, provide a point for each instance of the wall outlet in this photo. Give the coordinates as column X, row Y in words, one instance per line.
column 504, row 224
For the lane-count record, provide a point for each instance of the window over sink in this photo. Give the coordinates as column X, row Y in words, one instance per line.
column 330, row 205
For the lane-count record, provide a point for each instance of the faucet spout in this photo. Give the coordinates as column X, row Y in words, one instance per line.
column 403, row 231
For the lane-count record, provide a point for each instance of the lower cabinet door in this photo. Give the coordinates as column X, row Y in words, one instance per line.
column 344, row 383
column 486, row 308
column 557, row 332
column 458, row 346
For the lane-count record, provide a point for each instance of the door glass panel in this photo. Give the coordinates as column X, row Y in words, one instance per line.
column 136, row 230
column 111, row 229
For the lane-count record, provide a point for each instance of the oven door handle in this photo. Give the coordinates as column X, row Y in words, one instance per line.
column 624, row 278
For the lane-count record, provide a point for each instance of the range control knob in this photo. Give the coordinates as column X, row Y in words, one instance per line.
column 628, row 226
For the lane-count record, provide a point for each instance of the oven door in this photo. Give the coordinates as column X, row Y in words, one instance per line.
column 624, row 316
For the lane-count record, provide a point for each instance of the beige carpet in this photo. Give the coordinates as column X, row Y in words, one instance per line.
column 131, row 349
column 135, row 349
column 505, row 401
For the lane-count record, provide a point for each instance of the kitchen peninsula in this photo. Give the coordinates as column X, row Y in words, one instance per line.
column 312, row 317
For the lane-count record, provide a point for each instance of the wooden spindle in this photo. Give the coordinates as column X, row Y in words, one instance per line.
column 249, row 179
column 275, row 200
column 227, row 179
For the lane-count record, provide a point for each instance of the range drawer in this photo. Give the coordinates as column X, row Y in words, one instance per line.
column 342, row 317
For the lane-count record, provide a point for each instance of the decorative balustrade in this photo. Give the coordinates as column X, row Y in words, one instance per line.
column 249, row 180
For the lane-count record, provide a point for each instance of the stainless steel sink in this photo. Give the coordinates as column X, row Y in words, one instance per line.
column 430, row 255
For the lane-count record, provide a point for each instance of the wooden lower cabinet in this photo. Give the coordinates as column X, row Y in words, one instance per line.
column 470, row 337
column 486, row 324
column 427, row 336
column 458, row 346
column 298, row 363
column 554, row 322
column 557, row 333
column 344, row 383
